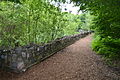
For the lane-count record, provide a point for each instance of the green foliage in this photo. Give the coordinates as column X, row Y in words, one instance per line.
column 33, row 21
column 86, row 21
column 106, row 46
column 16, row 1
column 72, row 23
column 106, row 24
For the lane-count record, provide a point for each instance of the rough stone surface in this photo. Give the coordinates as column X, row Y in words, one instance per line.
column 75, row 62
column 21, row 58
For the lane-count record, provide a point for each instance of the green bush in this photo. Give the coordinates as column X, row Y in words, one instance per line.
column 106, row 25
column 107, row 46
column 33, row 21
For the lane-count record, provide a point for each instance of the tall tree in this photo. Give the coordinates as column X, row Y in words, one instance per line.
column 106, row 24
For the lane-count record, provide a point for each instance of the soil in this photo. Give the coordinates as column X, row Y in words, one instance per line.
column 75, row 62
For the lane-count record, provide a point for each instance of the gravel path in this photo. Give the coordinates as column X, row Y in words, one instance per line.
column 76, row 62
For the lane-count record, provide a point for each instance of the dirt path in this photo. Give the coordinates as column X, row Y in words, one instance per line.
column 76, row 62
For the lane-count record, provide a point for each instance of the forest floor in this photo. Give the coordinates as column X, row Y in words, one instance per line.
column 75, row 62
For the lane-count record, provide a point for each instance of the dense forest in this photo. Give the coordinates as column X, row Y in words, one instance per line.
column 106, row 25
column 37, row 21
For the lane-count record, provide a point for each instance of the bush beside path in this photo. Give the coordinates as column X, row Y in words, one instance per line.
column 76, row 62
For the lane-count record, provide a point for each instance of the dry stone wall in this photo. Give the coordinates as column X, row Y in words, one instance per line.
column 21, row 58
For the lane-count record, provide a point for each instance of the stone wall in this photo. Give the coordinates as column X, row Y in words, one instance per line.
column 21, row 58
